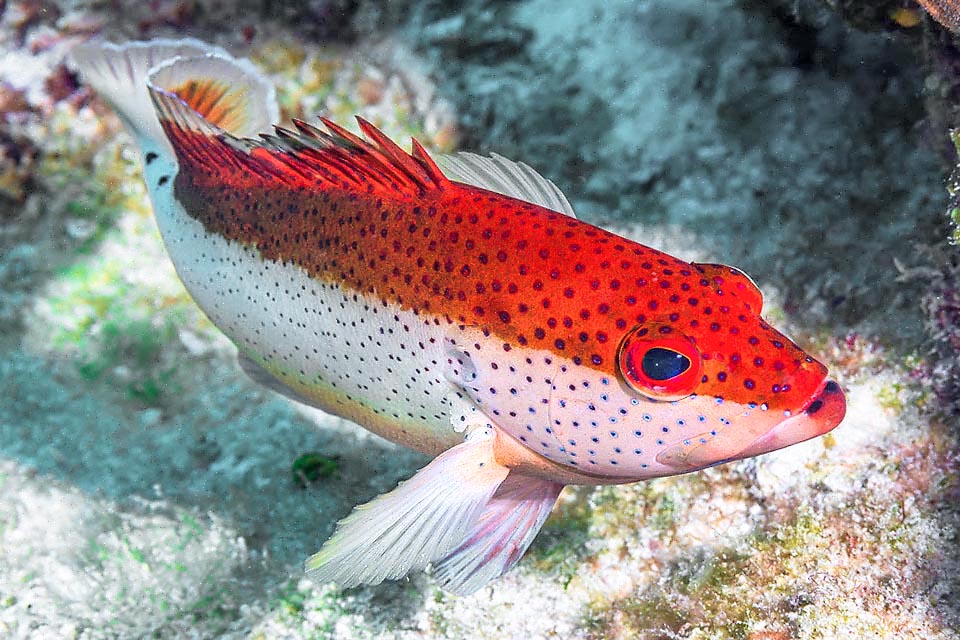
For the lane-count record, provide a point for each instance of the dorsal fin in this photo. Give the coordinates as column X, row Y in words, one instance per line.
column 304, row 157
column 735, row 281
column 509, row 178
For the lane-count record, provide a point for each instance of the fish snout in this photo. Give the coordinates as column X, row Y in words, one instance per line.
column 827, row 408
column 820, row 415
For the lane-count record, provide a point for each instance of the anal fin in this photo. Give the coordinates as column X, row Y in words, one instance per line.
column 421, row 521
column 264, row 378
column 501, row 535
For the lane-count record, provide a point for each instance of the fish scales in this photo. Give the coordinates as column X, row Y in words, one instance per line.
column 463, row 312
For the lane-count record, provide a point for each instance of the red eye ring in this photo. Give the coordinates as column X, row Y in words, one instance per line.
column 660, row 368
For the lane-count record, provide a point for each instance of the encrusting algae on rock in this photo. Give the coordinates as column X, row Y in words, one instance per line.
column 453, row 305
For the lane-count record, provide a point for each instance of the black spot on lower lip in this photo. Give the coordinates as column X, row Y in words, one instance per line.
column 815, row 406
column 831, row 387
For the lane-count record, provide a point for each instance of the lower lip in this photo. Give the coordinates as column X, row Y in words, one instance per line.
column 827, row 408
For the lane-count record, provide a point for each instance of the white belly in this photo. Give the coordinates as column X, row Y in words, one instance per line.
column 357, row 356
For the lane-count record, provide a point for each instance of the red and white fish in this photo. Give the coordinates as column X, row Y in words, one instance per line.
column 454, row 305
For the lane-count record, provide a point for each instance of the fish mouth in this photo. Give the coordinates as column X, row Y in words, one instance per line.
column 820, row 415
column 822, row 412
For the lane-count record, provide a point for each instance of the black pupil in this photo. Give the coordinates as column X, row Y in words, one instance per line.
column 663, row 364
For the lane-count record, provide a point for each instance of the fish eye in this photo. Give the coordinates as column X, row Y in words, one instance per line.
column 659, row 368
column 661, row 364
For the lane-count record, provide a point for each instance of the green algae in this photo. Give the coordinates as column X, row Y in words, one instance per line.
column 310, row 467
column 104, row 320
column 166, row 558
column 588, row 513
column 291, row 600
column 779, row 578
column 94, row 180
column 953, row 188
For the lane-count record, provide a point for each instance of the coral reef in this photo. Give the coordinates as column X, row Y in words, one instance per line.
column 148, row 489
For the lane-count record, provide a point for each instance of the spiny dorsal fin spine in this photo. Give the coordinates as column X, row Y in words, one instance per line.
column 432, row 169
column 393, row 152
column 387, row 163
column 346, row 135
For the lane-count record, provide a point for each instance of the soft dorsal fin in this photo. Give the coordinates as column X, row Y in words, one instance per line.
column 734, row 280
column 119, row 74
column 305, row 157
column 506, row 177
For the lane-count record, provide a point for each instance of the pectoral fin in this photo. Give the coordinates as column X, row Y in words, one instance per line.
column 501, row 535
column 421, row 521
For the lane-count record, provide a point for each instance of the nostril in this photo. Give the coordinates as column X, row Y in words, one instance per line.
column 831, row 387
column 815, row 406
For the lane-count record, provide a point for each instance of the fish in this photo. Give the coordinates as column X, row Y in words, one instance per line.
column 453, row 304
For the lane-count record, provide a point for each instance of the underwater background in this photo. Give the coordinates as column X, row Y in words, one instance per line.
column 148, row 489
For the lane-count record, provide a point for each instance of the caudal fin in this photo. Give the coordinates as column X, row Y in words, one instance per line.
column 232, row 95
column 241, row 101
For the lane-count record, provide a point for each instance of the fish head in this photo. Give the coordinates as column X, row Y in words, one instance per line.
column 699, row 381
column 693, row 388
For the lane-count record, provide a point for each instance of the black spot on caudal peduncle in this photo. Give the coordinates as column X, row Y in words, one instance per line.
column 150, row 157
column 163, row 180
